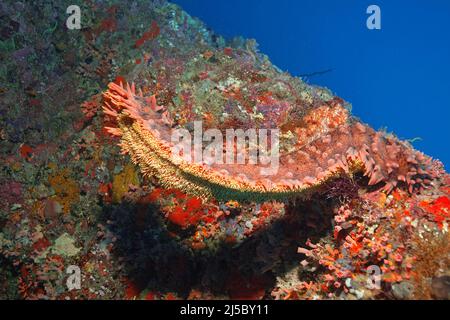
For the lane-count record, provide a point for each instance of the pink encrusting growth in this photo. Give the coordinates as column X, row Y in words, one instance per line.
column 329, row 143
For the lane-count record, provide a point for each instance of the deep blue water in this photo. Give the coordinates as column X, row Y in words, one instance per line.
column 397, row 77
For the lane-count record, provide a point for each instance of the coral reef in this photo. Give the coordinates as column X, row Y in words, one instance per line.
column 353, row 213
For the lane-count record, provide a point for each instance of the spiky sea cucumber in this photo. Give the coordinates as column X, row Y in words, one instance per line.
column 330, row 143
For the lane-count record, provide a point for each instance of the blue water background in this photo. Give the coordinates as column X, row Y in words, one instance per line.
column 396, row 78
